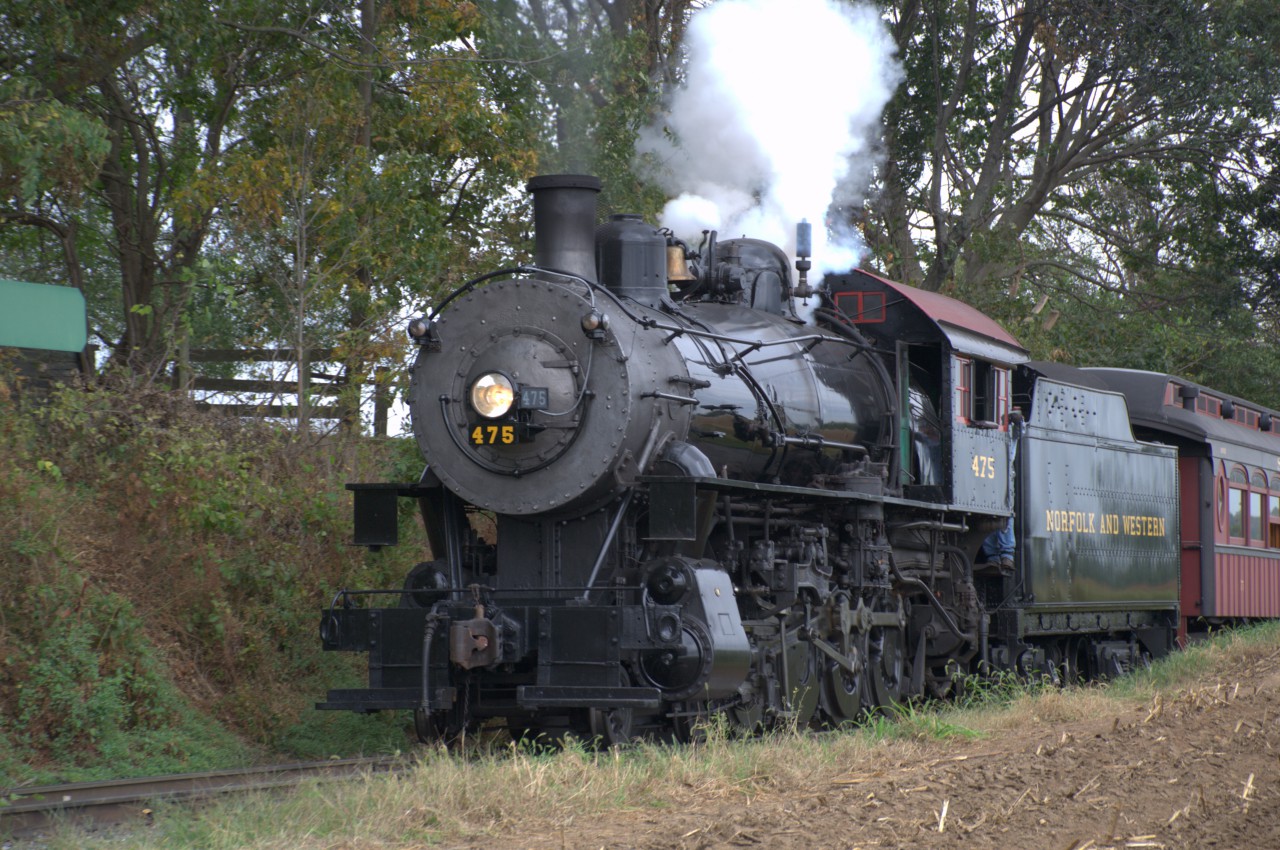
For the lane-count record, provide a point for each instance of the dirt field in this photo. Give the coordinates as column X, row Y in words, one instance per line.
column 1199, row 768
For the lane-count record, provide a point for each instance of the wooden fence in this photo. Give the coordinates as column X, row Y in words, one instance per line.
column 339, row 406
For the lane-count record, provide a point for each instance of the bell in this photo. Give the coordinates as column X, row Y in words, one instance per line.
column 677, row 268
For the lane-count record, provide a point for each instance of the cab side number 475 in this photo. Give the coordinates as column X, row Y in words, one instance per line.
column 984, row 466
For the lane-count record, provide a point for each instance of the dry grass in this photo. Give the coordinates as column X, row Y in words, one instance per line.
column 1047, row 706
column 447, row 800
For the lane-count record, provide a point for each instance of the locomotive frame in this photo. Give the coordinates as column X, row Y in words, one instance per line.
column 705, row 504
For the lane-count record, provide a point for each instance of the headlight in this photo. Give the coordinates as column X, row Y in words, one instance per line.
column 492, row 395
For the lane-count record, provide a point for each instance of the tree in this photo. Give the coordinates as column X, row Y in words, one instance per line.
column 158, row 145
column 600, row 68
column 160, row 85
column 1113, row 159
column 375, row 177
column 1012, row 113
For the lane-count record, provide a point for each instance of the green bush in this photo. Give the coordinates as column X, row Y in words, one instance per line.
column 168, row 567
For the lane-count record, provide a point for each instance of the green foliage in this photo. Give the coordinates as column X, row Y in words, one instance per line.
column 1058, row 153
column 373, row 178
column 593, row 80
column 996, row 688
column 45, row 146
column 313, row 171
column 82, row 689
column 170, row 568
column 89, row 693
column 909, row 722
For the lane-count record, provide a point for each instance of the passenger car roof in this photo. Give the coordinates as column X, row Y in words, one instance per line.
column 1147, row 391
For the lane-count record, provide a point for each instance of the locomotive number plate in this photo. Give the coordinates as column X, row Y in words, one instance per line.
column 534, row 398
column 493, row 435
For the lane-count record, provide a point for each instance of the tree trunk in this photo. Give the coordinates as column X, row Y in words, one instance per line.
column 358, row 296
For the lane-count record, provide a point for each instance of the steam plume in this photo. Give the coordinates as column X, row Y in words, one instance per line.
column 775, row 123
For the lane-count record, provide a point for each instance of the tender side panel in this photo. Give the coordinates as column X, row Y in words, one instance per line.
column 1099, row 517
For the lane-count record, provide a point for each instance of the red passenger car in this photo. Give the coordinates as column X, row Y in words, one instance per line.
column 1229, row 466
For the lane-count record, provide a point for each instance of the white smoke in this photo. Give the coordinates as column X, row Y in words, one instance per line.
column 781, row 103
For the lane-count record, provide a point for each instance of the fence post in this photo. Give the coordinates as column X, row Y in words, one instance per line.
column 182, row 368
column 304, row 387
column 381, row 400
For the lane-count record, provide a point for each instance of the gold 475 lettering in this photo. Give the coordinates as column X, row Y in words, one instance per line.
column 984, row 466
column 492, row 435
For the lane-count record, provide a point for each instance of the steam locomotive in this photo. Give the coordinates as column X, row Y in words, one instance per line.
column 655, row 493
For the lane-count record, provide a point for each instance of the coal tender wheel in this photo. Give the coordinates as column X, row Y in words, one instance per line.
column 886, row 668
column 842, row 690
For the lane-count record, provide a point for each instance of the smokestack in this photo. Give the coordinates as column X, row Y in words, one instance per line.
column 564, row 223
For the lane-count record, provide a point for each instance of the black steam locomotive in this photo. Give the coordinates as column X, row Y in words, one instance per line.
column 695, row 502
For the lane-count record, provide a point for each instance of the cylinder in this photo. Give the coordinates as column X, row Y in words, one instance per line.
column 564, row 219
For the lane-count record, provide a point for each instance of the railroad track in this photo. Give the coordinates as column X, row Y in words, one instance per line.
column 24, row 811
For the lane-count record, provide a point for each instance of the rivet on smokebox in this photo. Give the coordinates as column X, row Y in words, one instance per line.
column 717, row 591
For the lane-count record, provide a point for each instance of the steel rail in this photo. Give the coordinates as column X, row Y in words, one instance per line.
column 24, row 811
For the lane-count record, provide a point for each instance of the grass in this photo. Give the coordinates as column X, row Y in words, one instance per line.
column 446, row 799
column 1221, row 649
column 496, row 791
column 909, row 722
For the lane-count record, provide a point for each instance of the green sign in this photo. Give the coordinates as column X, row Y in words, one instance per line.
column 33, row 315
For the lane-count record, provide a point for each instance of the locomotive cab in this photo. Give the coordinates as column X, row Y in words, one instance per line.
column 953, row 368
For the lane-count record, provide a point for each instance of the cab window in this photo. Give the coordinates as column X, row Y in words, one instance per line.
column 981, row 392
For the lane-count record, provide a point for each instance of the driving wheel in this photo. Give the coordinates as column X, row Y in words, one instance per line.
column 842, row 690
